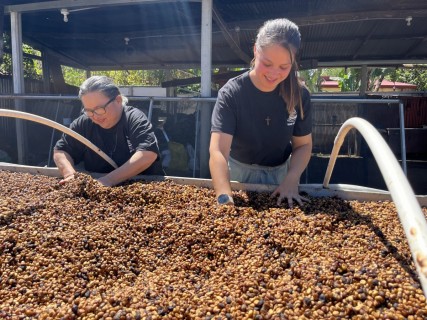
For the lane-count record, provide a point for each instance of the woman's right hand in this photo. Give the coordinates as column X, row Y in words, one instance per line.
column 66, row 178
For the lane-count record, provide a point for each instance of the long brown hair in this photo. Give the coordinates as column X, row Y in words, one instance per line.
column 286, row 34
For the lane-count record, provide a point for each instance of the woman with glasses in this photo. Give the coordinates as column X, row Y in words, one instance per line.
column 262, row 117
column 124, row 133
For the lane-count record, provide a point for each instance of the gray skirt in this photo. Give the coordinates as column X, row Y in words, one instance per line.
column 253, row 173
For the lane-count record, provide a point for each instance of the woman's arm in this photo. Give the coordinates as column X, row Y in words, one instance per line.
column 137, row 163
column 65, row 165
column 219, row 150
column 301, row 154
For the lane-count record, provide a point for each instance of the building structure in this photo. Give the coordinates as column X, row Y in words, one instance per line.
column 331, row 84
column 207, row 34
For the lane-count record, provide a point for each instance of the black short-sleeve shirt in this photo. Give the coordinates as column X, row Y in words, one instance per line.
column 258, row 121
column 132, row 133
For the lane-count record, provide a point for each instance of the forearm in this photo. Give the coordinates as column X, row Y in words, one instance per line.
column 139, row 161
column 64, row 162
column 220, row 173
column 299, row 160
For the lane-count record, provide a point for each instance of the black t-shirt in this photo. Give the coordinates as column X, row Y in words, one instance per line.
column 132, row 133
column 258, row 121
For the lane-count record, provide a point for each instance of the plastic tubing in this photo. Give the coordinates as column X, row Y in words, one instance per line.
column 408, row 208
column 60, row 127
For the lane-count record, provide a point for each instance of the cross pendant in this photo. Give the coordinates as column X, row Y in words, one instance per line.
column 267, row 120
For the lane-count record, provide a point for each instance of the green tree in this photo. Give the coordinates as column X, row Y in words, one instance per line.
column 312, row 79
column 32, row 67
column 349, row 80
column 377, row 75
column 416, row 76
column 75, row 77
column 332, row 72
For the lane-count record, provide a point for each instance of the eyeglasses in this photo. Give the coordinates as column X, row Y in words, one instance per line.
column 99, row 111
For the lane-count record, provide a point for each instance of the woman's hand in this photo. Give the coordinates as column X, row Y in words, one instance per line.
column 66, row 178
column 289, row 189
column 104, row 181
column 301, row 153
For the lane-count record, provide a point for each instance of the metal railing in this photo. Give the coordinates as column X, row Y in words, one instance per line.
column 376, row 101
column 152, row 100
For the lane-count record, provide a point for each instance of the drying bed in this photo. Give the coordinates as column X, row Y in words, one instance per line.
column 161, row 250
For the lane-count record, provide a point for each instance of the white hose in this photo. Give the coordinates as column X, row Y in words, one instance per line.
column 60, row 127
column 408, row 208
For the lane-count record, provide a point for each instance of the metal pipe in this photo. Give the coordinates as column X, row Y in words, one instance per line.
column 60, row 127
column 150, row 109
column 52, row 136
column 354, row 100
column 196, row 140
column 408, row 208
column 50, row 97
column 206, row 83
column 18, row 80
column 402, row 136
column 213, row 100
column 200, row 99
column 70, row 4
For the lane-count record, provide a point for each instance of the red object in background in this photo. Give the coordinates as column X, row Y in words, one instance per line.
column 415, row 111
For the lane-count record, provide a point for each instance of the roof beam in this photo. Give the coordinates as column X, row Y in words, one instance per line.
column 367, row 38
column 339, row 17
column 56, row 53
column 228, row 37
column 358, row 63
column 172, row 33
column 26, row 55
column 132, row 35
column 415, row 46
column 215, row 77
column 359, row 16
column 59, row 4
column 362, row 39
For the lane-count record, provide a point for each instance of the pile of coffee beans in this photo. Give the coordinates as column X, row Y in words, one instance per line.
column 160, row 250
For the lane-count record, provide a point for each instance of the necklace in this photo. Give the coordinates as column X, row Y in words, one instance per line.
column 111, row 143
column 115, row 146
column 267, row 120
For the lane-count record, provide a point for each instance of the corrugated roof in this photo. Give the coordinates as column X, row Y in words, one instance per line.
column 167, row 34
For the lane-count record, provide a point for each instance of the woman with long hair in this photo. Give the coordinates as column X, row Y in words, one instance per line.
column 261, row 123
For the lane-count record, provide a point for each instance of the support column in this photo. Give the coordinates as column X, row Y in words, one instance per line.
column 55, row 70
column 206, row 79
column 1, row 30
column 363, row 81
column 18, row 81
column 364, row 77
column 46, row 73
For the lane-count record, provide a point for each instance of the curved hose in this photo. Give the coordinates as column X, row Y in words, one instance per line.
column 408, row 208
column 60, row 127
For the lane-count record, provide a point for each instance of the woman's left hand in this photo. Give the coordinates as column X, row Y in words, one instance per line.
column 289, row 189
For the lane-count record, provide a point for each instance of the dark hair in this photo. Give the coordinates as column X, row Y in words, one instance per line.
column 285, row 33
column 101, row 84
